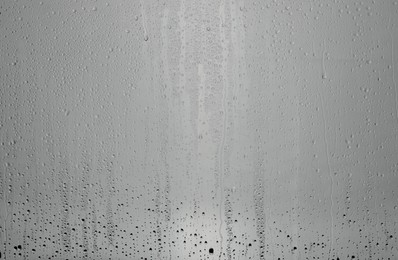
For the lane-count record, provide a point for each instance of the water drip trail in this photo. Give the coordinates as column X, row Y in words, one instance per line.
column 393, row 69
column 224, row 113
column 327, row 152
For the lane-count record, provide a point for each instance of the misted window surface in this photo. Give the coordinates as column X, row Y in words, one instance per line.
column 187, row 129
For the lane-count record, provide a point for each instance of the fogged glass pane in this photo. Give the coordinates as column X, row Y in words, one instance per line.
column 186, row 129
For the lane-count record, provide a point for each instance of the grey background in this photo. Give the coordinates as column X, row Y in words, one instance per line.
column 160, row 129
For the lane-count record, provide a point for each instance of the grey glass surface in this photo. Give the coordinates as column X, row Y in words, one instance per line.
column 187, row 129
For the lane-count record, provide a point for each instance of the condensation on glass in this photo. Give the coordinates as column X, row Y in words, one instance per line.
column 213, row 129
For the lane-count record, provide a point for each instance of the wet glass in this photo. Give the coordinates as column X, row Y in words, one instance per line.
column 185, row 129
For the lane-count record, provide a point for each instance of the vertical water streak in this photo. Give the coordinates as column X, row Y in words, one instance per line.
column 327, row 152
column 224, row 114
